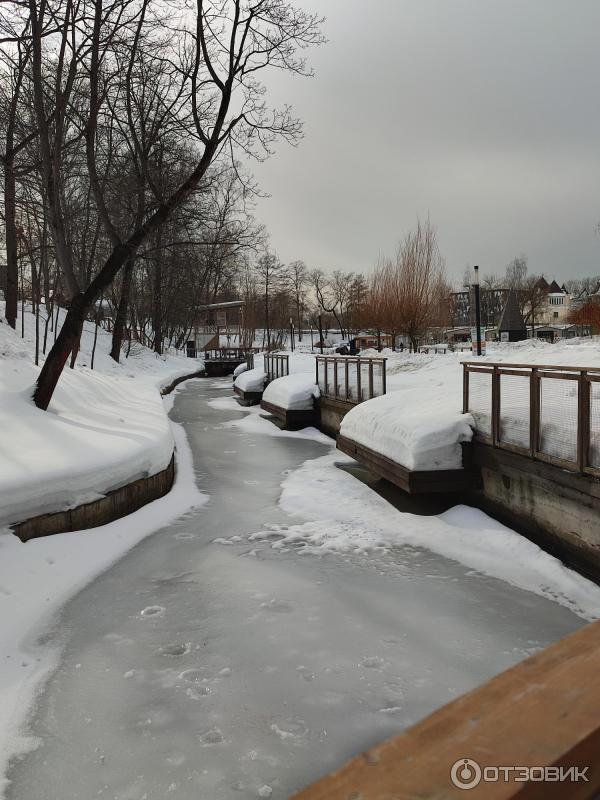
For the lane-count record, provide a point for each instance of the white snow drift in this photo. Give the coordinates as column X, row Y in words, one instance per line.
column 104, row 427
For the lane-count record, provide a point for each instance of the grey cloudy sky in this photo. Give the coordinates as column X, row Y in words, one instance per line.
column 483, row 114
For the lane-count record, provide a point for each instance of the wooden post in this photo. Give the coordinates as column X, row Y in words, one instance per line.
column 495, row 406
column 383, row 376
column 326, row 385
column 583, row 421
column 335, row 378
column 465, row 389
column 534, row 412
column 317, row 371
column 347, row 366
column 358, row 380
column 370, row 379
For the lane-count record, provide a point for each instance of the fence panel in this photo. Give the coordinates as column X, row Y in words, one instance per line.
column 351, row 379
column 515, row 409
column 558, row 418
column 277, row 366
column 551, row 413
column 480, row 401
column 594, row 441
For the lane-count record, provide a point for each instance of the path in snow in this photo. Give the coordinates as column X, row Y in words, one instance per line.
column 194, row 670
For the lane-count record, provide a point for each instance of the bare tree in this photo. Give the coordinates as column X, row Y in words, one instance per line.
column 218, row 52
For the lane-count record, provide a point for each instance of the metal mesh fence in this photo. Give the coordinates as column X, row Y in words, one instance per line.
column 480, row 401
column 594, row 452
column 558, row 418
column 514, row 409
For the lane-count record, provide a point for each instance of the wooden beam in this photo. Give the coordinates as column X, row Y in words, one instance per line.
column 545, row 712
column 411, row 481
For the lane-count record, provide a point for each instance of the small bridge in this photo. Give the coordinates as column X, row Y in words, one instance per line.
column 224, row 360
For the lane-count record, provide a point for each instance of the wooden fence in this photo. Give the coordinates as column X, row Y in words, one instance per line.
column 277, row 365
column 351, row 379
column 549, row 413
column 228, row 354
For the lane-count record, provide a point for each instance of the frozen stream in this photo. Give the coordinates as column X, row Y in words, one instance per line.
column 199, row 671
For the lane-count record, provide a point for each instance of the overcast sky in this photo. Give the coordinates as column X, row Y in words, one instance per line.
column 484, row 114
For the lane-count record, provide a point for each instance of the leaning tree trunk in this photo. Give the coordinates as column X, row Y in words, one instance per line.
column 122, row 310
column 66, row 342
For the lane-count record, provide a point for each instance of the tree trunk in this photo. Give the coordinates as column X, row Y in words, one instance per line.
column 121, row 317
column 66, row 341
column 12, row 268
column 157, row 304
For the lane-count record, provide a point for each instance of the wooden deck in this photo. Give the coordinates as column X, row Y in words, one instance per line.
column 247, row 398
column 544, row 712
column 411, row 481
column 291, row 419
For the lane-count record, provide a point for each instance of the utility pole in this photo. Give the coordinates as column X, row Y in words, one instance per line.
column 477, row 308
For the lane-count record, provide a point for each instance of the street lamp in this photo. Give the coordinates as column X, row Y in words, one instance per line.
column 292, row 333
column 477, row 308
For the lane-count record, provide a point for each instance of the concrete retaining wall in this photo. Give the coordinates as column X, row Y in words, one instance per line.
column 332, row 413
column 558, row 509
column 112, row 506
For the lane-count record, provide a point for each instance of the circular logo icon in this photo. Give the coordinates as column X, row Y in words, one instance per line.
column 465, row 773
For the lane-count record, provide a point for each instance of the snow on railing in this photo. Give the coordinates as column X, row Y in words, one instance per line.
column 277, row 366
column 549, row 413
column 351, row 379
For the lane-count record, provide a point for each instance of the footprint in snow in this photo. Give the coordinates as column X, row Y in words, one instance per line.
column 153, row 611
column 175, row 649
column 278, row 606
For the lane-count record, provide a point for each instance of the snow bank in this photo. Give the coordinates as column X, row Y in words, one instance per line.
column 295, row 392
column 37, row 578
column 252, row 380
column 415, row 430
column 104, row 427
column 354, row 519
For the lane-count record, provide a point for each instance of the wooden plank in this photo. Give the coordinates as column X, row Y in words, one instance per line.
column 411, row 481
column 543, row 712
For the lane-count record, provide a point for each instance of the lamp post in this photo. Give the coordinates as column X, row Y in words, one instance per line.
column 292, row 333
column 477, row 308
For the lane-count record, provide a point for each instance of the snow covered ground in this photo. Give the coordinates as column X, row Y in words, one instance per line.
column 104, row 428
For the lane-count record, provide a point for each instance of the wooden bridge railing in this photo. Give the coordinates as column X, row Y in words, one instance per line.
column 549, row 413
column 351, row 379
column 277, row 365
column 228, row 354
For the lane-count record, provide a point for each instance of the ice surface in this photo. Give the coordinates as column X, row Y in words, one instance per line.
column 269, row 666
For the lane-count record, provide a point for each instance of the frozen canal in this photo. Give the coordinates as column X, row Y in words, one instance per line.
column 204, row 671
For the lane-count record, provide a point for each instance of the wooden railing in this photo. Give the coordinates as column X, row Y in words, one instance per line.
column 351, row 379
column 549, row 413
column 228, row 354
column 277, row 365
column 250, row 361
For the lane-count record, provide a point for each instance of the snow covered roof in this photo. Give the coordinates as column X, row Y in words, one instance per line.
column 227, row 304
